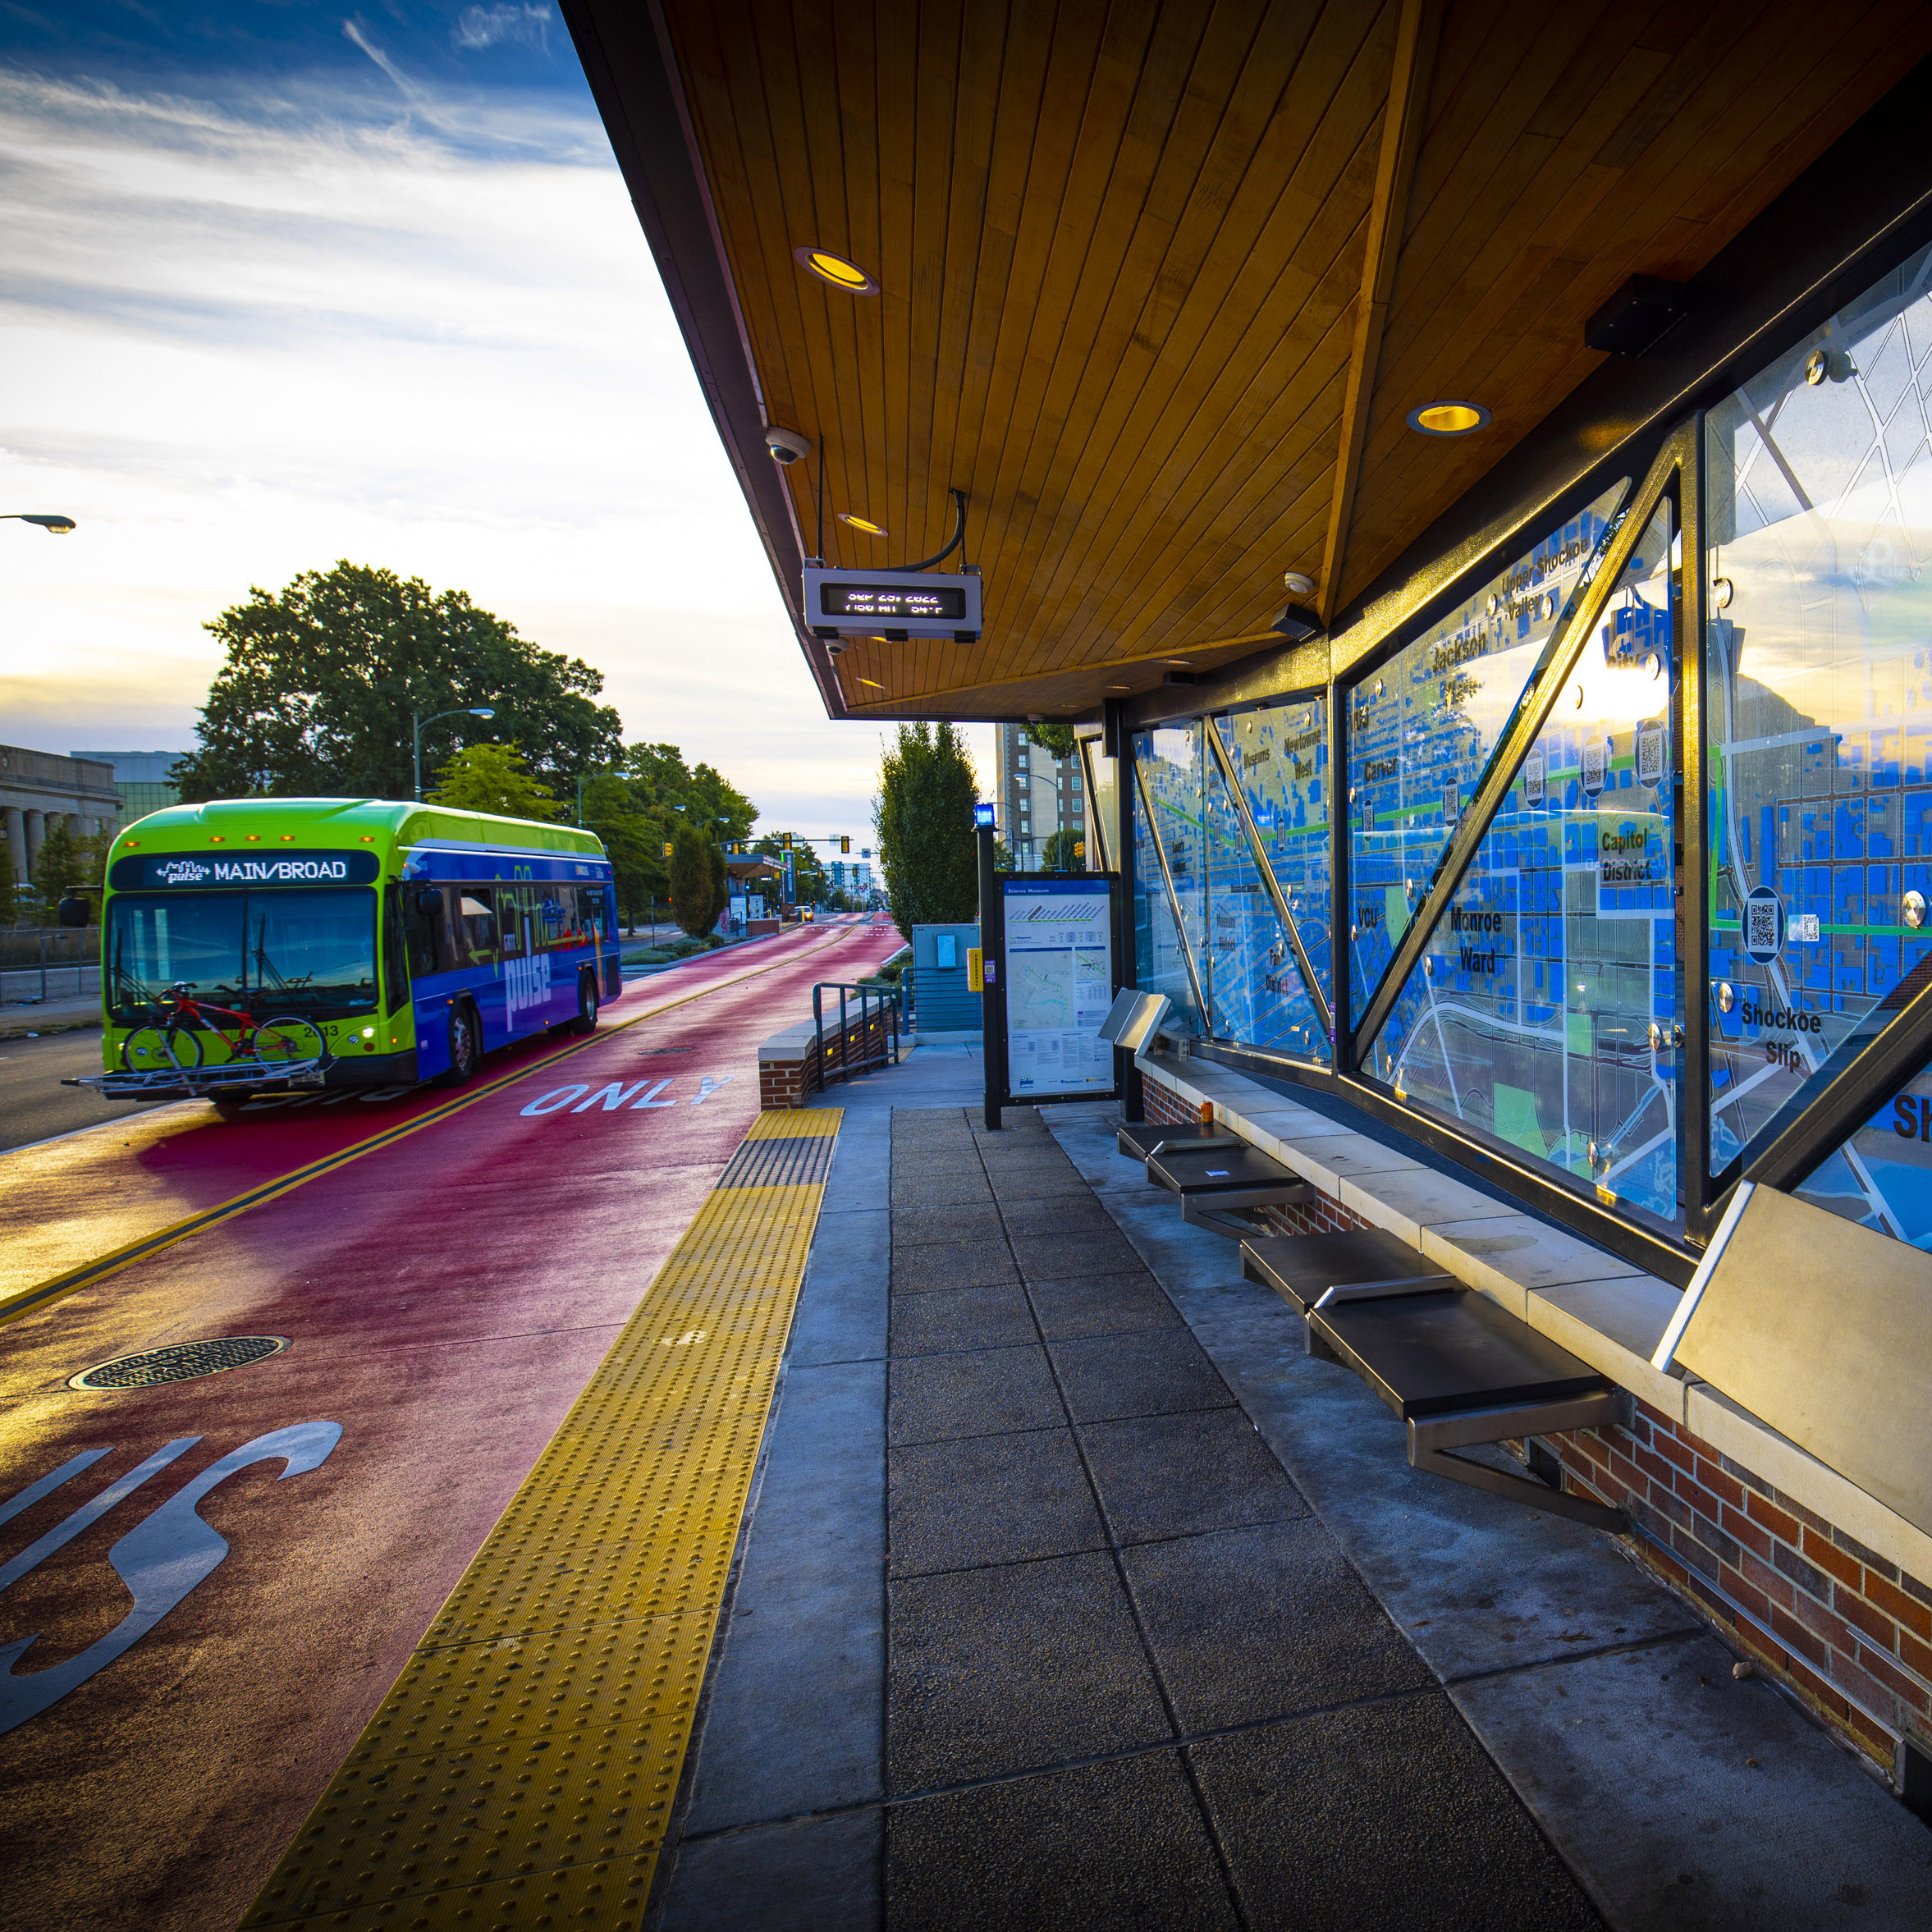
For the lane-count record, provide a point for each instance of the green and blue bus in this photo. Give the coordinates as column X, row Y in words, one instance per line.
column 414, row 939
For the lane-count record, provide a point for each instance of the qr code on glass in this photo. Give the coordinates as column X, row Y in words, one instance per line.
column 1649, row 755
column 1760, row 925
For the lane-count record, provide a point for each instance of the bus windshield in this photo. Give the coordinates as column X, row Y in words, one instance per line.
column 301, row 951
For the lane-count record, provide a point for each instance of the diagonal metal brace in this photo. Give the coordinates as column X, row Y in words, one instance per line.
column 1432, row 1440
column 1212, row 1211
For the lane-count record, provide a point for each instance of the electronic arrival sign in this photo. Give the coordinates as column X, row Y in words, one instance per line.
column 175, row 871
column 912, row 604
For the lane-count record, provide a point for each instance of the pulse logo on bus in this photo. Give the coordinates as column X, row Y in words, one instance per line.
column 526, row 983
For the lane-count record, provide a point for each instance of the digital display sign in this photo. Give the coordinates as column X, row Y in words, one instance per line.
column 898, row 603
column 890, row 601
column 164, row 870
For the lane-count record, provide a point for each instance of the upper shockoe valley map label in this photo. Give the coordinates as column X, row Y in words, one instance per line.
column 1060, row 983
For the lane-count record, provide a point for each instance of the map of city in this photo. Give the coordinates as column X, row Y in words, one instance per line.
column 1820, row 683
column 1059, row 984
column 1530, row 1014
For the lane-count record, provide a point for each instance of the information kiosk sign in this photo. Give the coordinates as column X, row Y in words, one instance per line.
column 1058, row 983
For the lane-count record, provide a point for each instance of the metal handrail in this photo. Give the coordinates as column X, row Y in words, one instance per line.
column 871, row 999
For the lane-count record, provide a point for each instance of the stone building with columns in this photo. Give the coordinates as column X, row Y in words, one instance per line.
column 38, row 787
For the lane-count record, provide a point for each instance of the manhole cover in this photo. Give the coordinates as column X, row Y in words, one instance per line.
column 181, row 1362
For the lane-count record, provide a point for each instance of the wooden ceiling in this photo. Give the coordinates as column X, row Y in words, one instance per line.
column 1158, row 285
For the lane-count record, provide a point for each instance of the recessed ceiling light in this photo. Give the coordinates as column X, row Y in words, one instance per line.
column 861, row 523
column 1184, row 663
column 1120, row 687
column 1449, row 418
column 1299, row 583
column 836, row 270
column 873, row 682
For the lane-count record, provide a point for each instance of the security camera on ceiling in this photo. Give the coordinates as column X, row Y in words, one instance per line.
column 787, row 445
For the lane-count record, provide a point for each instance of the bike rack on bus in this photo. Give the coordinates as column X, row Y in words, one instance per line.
column 240, row 1076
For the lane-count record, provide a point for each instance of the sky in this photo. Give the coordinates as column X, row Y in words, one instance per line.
column 283, row 283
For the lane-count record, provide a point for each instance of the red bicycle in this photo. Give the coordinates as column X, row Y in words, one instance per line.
column 175, row 1042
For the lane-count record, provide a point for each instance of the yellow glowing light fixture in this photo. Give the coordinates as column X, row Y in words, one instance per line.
column 873, row 682
column 861, row 523
column 836, row 270
column 1449, row 418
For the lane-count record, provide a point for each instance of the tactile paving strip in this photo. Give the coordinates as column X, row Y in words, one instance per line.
column 521, row 1771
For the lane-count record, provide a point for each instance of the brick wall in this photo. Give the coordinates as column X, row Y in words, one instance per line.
column 1847, row 1630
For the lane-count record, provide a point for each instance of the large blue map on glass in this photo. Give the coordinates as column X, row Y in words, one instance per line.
column 1279, row 754
column 1544, row 1010
column 1421, row 731
column 1820, row 697
column 1168, row 764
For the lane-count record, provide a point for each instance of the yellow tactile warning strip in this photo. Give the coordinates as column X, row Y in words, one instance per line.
column 521, row 1772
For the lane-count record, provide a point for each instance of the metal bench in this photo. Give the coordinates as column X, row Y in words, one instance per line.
column 1139, row 1138
column 1217, row 1178
column 1458, row 1369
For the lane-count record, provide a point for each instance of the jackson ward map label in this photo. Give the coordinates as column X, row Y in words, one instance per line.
column 1060, row 983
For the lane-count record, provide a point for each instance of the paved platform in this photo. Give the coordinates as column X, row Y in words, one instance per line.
column 1076, row 1595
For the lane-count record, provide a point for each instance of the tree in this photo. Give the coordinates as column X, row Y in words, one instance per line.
column 924, row 817
column 1057, row 739
column 315, row 693
column 63, row 860
column 1002, row 856
column 694, row 889
column 721, row 882
column 493, row 778
column 1065, row 852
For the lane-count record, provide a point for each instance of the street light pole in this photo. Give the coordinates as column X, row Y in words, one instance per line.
column 54, row 526
column 417, row 721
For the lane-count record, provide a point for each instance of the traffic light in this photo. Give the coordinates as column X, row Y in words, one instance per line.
column 844, row 844
column 785, row 842
column 667, row 848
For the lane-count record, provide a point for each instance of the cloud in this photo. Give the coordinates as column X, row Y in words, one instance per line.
column 405, row 86
column 478, row 27
column 244, row 345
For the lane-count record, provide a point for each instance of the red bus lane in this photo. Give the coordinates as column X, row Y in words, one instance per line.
column 207, row 1586
column 67, row 1203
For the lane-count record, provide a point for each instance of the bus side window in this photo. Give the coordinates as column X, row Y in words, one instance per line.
column 556, row 916
column 476, row 930
column 395, row 973
column 510, row 922
column 426, row 930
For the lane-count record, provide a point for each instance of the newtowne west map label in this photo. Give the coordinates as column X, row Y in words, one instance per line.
column 1060, row 983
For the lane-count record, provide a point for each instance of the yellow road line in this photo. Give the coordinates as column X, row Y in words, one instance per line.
column 26, row 1301
column 520, row 1774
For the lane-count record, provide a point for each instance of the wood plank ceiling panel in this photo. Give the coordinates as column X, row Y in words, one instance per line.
column 1120, row 250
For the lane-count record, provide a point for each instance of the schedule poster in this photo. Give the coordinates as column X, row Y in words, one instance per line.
column 1060, row 983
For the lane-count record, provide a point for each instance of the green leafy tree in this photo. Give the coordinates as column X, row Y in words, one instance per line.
column 634, row 839
column 1059, row 739
column 694, row 887
column 493, row 778
column 63, row 860
column 315, row 693
column 721, row 882
column 1002, row 856
column 924, row 817
column 1065, row 852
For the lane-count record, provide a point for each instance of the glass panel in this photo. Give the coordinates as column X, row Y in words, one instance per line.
column 1821, row 705
column 155, row 941
column 1159, row 965
column 313, row 950
column 1882, row 1176
column 1280, row 751
column 1530, row 1014
column 1422, row 729
column 1103, row 804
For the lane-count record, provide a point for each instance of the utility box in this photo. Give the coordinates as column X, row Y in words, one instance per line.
column 943, row 1002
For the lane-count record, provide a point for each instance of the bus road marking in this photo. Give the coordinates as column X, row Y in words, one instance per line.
column 580, row 1097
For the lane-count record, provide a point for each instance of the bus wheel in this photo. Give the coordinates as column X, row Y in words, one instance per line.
column 586, row 1020
column 465, row 1046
